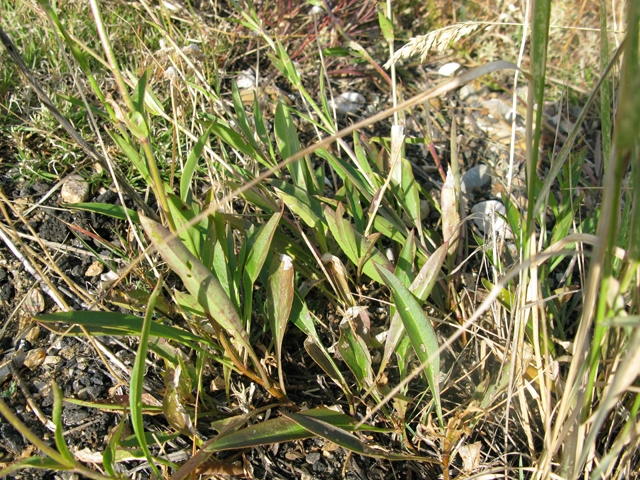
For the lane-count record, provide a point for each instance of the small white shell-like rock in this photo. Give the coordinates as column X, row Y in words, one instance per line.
column 449, row 69
column 486, row 217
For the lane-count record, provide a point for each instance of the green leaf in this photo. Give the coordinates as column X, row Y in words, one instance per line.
column 260, row 249
column 123, row 323
column 386, row 26
column 355, row 354
column 301, row 203
column 137, row 378
column 114, row 211
column 283, row 429
column 232, row 138
column 191, row 236
column 321, row 356
column 109, row 456
column 340, row 436
column 354, row 244
column 192, row 163
column 200, row 282
column 44, row 463
column 57, row 421
column 406, row 191
column 419, row 329
column 132, row 154
column 405, row 270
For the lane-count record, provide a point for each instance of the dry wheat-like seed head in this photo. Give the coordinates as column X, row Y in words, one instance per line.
column 438, row 40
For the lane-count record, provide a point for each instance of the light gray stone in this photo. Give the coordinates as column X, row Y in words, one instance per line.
column 75, row 190
column 498, row 108
column 485, row 216
column 476, row 180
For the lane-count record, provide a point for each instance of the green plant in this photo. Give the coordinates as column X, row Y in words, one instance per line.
column 302, row 247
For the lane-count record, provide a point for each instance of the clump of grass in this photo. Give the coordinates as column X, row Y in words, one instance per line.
column 305, row 240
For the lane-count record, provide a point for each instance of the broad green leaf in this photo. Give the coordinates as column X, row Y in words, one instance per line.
column 345, row 439
column 288, row 144
column 280, row 294
column 354, row 244
column 138, row 93
column 419, row 329
column 406, row 191
column 258, row 253
column 109, row 455
column 57, row 421
column 200, row 282
column 355, row 207
column 283, row 429
column 192, row 163
column 232, row 138
column 137, row 378
column 506, row 299
column 182, row 214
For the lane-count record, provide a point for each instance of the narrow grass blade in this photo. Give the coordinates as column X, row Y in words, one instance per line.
column 43, row 463
column 320, row 355
column 354, row 244
column 405, row 270
column 280, row 294
column 57, row 421
column 419, row 329
column 127, row 324
column 114, row 211
column 192, row 163
column 283, row 429
column 137, row 379
column 109, row 455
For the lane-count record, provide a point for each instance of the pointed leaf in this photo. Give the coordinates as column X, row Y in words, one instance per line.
column 347, row 440
column 355, row 354
column 258, row 253
column 198, row 280
column 57, row 421
column 419, row 329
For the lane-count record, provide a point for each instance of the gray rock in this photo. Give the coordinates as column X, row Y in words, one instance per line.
column 476, row 180
column 499, row 108
column 466, row 92
column 485, row 216
column 75, row 190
